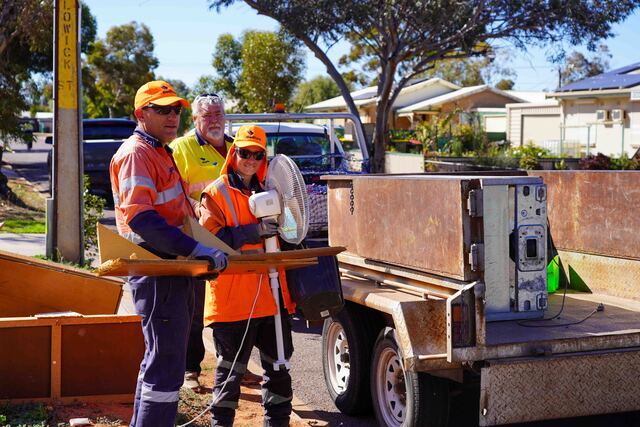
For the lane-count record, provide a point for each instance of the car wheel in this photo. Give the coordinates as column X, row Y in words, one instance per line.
column 403, row 398
column 347, row 341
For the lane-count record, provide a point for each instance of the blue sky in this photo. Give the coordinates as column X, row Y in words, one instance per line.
column 185, row 33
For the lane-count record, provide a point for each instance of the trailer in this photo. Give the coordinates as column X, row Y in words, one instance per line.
column 445, row 279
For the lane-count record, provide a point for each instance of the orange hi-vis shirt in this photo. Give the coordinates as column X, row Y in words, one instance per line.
column 144, row 177
column 229, row 298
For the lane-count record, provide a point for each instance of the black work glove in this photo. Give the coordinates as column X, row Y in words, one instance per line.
column 268, row 227
column 217, row 259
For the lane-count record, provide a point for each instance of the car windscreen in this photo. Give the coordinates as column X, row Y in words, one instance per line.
column 93, row 131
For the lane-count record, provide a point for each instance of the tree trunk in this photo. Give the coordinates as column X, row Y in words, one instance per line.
column 380, row 136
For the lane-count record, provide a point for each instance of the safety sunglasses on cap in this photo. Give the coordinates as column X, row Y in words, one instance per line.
column 247, row 154
column 164, row 110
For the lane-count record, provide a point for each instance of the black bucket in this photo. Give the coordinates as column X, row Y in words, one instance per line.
column 316, row 289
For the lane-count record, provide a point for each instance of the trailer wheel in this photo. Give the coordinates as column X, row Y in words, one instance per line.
column 347, row 341
column 403, row 398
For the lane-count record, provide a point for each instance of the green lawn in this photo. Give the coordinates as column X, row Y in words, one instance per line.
column 24, row 226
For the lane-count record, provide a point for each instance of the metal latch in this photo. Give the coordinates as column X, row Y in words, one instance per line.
column 476, row 257
column 474, row 203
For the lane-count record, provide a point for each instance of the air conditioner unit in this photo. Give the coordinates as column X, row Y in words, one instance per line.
column 617, row 115
column 602, row 115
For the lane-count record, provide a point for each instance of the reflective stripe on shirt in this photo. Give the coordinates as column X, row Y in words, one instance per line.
column 169, row 195
column 222, row 188
column 137, row 181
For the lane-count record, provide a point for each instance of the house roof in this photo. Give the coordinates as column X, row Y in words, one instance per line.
column 435, row 102
column 620, row 78
column 368, row 95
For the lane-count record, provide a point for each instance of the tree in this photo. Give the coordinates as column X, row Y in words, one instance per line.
column 312, row 91
column 116, row 67
column 406, row 37
column 261, row 69
column 577, row 66
column 505, row 84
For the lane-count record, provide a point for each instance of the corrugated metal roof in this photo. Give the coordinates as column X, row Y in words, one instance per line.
column 620, row 78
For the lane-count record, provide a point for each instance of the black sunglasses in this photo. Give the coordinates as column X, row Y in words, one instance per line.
column 247, row 154
column 164, row 110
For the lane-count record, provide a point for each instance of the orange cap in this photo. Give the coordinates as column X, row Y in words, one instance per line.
column 251, row 136
column 157, row 92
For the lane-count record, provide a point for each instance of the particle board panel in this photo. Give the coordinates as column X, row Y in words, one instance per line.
column 417, row 222
column 25, row 362
column 87, row 358
column 594, row 211
column 110, row 352
column 29, row 286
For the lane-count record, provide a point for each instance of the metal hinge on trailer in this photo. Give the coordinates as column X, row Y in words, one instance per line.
column 474, row 203
column 476, row 257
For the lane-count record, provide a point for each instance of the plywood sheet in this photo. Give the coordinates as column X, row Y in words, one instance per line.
column 111, row 245
column 29, row 286
column 193, row 268
column 204, row 236
column 594, row 211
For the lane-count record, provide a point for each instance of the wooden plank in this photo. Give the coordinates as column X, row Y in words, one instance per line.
column 193, row 268
column 111, row 246
column 204, row 236
column 29, row 286
column 56, row 358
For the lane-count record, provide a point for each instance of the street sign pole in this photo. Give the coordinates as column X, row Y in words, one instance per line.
column 65, row 222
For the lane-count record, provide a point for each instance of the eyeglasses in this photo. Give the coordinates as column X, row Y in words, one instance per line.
column 164, row 110
column 247, row 154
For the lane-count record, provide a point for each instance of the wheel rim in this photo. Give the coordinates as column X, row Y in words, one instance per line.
column 337, row 354
column 390, row 388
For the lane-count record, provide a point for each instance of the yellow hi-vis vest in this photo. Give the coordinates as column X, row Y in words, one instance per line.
column 199, row 165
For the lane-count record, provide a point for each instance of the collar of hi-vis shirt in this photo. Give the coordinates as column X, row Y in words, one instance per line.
column 236, row 182
column 152, row 141
column 202, row 142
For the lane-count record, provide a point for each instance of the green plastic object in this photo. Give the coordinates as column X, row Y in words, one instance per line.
column 553, row 275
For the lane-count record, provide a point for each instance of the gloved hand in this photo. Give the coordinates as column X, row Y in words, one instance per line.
column 268, row 227
column 217, row 260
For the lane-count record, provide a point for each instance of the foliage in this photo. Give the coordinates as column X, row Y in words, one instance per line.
column 529, row 155
column 93, row 211
column 21, row 226
column 116, row 67
column 448, row 136
column 259, row 70
column 604, row 162
column 26, row 414
column 315, row 90
column 406, row 37
column 577, row 66
column 505, row 84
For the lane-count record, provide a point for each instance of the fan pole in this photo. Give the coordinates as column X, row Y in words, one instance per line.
column 271, row 245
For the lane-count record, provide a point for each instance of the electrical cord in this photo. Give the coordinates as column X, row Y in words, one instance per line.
column 215, row 398
column 531, row 322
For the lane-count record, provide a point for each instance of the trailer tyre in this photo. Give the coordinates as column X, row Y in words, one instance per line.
column 403, row 398
column 347, row 341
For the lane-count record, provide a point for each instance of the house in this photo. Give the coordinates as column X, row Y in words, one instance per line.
column 365, row 100
column 535, row 123
column 483, row 101
column 602, row 113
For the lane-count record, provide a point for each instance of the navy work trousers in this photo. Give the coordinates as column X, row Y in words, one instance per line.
column 166, row 307
column 276, row 387
column 195, row 347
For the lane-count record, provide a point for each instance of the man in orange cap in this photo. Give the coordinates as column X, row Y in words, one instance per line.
column 151, row 205
column 240, row 307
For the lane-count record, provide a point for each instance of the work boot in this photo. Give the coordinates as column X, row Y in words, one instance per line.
column 191, row 381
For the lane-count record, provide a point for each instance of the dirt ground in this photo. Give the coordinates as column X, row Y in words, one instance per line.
column 249, row 413
column 25, row 202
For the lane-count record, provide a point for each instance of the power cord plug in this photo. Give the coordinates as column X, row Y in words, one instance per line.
column 600, row 307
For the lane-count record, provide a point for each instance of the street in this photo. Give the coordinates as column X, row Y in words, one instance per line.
column 309, row 386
